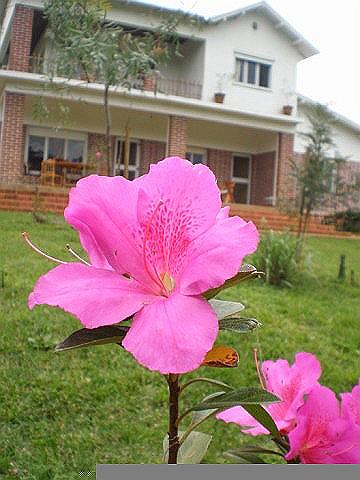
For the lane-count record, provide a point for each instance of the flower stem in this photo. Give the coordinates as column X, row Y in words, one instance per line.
column 174, row 388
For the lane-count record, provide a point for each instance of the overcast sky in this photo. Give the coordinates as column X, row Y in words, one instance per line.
column 333, row 76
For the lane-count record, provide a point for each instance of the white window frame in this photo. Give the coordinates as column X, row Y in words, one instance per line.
column 258, row 61
column 132, row 168
column 197, row 151
column 48, row 133
column 243, row 180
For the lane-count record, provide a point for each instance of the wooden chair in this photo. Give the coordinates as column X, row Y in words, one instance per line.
column 227, row 191
column 49, row 175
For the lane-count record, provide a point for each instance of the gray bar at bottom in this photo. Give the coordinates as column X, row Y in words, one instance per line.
column 228, row 472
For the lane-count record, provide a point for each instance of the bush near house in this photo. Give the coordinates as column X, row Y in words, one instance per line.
column 276, row 257
column 346, row 221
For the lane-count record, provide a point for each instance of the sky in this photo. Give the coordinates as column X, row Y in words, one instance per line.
column 331, row 77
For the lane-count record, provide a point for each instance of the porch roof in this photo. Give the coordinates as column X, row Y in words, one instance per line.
column 92, row 93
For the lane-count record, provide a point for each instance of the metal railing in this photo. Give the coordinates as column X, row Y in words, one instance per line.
column 167, row 86
column 180, row 88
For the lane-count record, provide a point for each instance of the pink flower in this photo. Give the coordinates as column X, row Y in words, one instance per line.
column 321, row 435
column 350, row 404
column 290, row 384
column 155, row 245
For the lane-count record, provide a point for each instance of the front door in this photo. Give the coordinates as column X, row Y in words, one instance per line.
column 241, row 173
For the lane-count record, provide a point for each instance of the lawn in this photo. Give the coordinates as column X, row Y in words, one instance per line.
column 62, row 413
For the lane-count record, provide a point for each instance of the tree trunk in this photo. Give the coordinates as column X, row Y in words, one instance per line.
column 107, row 131
column 126, row 153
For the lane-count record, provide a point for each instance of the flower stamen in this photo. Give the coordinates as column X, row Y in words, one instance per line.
column 40, row 252
column 74, row 254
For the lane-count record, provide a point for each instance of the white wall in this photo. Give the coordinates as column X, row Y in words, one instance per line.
column 238, row 36
column 347, row 140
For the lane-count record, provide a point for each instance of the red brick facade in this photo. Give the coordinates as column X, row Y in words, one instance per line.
column 220, row 162
column 262, row 178
column 28, row 198
column 12, row 138
column 285, row 184
column 20, row 41
column 151, row 151
column 177, row 136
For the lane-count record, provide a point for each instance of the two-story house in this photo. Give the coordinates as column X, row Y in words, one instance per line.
column 250, row 54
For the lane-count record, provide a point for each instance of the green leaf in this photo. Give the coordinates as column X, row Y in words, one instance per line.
column 224, row 309
column 249, row 449
column 239, row 325
column 200, row 415
column 245, row 272
column 242, row 396
column 263, row 417
column 243, row 457
column 96, row 336
column 193, row 450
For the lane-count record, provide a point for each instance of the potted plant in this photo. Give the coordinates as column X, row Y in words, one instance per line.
column 219, row 95
column 287, row 109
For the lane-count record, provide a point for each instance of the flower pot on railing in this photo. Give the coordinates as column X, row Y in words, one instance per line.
column 149, row 83
column 287, row 109
column 219, row 97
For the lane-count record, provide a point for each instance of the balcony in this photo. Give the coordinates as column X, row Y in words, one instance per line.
column 168, row 86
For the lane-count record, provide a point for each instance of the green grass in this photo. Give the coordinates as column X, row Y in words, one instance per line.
column 60, row 414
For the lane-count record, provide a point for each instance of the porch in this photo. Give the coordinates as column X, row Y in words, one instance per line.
column 247, row 160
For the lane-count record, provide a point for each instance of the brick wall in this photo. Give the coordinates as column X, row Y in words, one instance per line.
column 29, row 198
column 12, row 137
column 20, row 41
column 177, row 136
column 220, row 162
column 151, row 151
column 285, row 184
column 262, row 178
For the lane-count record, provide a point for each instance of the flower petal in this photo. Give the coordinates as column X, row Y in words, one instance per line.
column 217, row 255
column 190, row 193
column 97, row 297
column 104, row 211
column 172, row 335
column 310, row 433
column 241, row 417
column 291, row 383
column 350, row 404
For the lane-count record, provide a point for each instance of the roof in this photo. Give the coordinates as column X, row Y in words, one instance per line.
column 299, row 42
column 337, row 116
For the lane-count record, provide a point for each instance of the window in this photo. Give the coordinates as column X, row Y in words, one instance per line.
column 42, row 147
column 133, row 158
column 36, row 148
column 196, row 157
column 241, row 172
column 253, row 72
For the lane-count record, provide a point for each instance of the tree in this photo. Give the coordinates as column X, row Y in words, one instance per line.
column 318, row 179
column 87, row 44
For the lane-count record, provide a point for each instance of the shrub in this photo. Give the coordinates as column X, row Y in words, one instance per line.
column 346, row 221
column 276, row 257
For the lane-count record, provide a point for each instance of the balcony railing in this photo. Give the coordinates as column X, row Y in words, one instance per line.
column 179, row 88
column 167, row 86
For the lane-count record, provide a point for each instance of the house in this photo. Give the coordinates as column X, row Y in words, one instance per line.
column 250, row 54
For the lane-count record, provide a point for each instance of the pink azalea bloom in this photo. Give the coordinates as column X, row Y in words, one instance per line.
column 350, row 404
column 290, row 384
column 321, row 435
column 155, row 245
